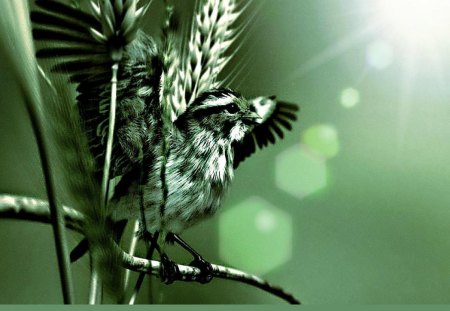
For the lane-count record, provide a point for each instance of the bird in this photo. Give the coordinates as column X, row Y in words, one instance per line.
column 180, row 133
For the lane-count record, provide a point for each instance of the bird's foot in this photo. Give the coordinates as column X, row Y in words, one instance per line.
column 206, row 270
column 170, row 238
column 147, row 236
column 144, row 234
column 169, row 272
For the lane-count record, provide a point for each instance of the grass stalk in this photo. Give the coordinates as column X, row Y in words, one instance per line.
column 140, row 280
column 95, row 296
column 17, row 43
column 57, row 218
column 110, row 140
column 131, row 251
column 96, row 290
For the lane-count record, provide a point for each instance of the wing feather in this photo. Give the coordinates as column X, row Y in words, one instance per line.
column 51, row 20
column 84, row 46
column 276, row 116
column 69, row 52
column 68, row 13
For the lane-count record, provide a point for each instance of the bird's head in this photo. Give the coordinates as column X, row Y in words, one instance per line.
column 222, row 112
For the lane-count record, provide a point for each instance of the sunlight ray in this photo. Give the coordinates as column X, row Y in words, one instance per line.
column 333, row 51
column 436, row 64
column 404, row 107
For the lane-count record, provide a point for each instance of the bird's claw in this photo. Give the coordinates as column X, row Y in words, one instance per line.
column 145, row 235
column 206, row 270
column 169, row 271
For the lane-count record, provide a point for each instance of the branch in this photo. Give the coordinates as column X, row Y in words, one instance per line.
column 190, row 274
column 23, row 208
column 18, row 207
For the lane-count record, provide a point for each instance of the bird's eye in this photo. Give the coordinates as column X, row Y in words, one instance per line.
column 232, row 108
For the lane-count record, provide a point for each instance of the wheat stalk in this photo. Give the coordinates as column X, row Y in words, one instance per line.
column 119, row 20
column 171, row 62
column 210, row 37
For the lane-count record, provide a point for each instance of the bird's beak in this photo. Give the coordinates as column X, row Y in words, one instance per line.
column 251, row 118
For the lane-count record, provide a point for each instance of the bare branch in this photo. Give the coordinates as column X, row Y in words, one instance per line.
column 18, row 207
column 190, row 274
column 24, row 208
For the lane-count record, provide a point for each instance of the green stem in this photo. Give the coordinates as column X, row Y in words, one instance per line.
column 133, row 245
column 95, row 296
column 109, row 143
column 140, row 280
column 57, row 218
column 17, row 47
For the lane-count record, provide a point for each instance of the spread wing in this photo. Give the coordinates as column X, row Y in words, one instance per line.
column 85, row 45
column 276, row 116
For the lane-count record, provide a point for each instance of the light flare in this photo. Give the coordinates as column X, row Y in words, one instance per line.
column 419, row 22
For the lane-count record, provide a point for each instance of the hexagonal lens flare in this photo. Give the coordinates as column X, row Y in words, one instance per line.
column 322, row 139
column 255, row 236
column 300, row 172
column 350, row 97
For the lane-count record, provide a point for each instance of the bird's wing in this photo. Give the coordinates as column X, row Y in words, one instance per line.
column 85, row 44
column 204, row 54
column 276, row 116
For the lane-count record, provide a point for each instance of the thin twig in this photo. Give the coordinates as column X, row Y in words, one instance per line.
column 37, row 210
column 133, row 245
column 138, row 285
column 190, row 274
column 131, row 251
column 140, row 280
column 95, row 286
column 95, row 296
column 24, row 208
column 110, row 141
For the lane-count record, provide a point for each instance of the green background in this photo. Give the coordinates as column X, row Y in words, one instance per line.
column 357, row 216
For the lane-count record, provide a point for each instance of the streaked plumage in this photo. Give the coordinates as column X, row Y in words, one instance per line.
column 213, row 130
